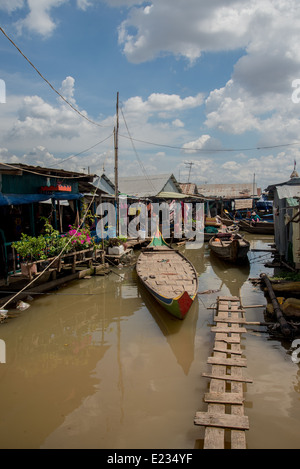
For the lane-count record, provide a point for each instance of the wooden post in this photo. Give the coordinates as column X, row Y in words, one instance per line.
column 285, row 327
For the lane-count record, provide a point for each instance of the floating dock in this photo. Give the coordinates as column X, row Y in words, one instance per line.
column 225, row 398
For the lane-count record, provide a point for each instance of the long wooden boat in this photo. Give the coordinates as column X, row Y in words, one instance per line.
column 168, row 276
column 231, row 248
column 260, row 227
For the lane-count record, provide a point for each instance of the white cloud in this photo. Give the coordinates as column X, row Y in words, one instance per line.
column 178, row 123
column 11, row 5
column 205, row 142
column 185, row 28
column 39, row 18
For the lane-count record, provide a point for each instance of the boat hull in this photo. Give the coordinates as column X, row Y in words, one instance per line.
column 234, row 251
column 170, row 278
column 178, row 307
column 258, row 228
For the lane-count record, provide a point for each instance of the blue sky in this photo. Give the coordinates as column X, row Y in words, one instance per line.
column 195, row 78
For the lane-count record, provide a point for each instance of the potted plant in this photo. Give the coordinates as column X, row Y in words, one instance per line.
column 30, row 249
column 116, row 246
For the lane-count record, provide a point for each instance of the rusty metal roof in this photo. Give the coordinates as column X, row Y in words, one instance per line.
column 189, row 189
column 229, row 191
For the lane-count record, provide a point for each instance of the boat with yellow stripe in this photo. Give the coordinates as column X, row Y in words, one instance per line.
column 168, row 276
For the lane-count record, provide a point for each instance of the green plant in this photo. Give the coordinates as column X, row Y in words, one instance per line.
column 31, row 248
column 55, row 243
column 112, row 242
column 45, row 246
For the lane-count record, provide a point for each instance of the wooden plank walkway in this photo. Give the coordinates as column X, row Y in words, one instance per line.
column 225, row 398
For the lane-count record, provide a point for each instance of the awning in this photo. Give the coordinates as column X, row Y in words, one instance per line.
column 172, row 195
column 22, row 199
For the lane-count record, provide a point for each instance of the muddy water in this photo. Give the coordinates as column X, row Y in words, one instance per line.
column 99, row 365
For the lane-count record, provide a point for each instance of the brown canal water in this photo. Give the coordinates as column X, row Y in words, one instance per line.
column 99, row 364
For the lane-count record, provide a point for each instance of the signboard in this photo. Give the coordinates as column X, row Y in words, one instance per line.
column 58, row 188
column 243, row 204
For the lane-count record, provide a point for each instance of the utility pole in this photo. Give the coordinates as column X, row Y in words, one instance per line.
column 190, row 165
column 116, row 138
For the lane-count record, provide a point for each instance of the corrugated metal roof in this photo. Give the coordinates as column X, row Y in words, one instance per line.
column 141, row 186
column 172, row 195
column 189, row 188
column 229, row 191
column 288, row 191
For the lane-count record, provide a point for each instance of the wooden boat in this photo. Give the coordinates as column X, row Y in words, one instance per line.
column 210, row 232
column 230, row 247
column 168, row 276
column 260, row 227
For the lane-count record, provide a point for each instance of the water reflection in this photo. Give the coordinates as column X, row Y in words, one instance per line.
column 100, row 364
column 230, row 275
column 180, row 335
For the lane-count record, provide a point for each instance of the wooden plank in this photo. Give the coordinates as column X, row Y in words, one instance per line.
column 228, row 334
column 236, row 422
column 230, row 320
column 224, row 398
column 240, row 362
column 228, row 298
column 230, row 340
column 227, row 378
column 229, row 330
column 229, row 351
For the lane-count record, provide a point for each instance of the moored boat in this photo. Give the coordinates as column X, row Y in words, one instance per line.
column 168, row 276
column 258, row 227
column 231, row 248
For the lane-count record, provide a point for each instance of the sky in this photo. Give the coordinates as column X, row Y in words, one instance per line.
column 209, row 85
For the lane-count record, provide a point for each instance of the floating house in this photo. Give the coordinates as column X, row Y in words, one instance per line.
column 286, row 209
column 29, row 193
column 161, row 186
column 232, row 197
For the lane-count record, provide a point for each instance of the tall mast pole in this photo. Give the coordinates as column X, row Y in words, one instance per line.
column 116, row 135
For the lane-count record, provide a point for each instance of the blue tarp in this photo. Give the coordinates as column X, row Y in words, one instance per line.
column 21, row 199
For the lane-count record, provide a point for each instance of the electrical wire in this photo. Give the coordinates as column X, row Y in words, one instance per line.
column 84, row 151
column 213, row 150
column 8, row 165
column 136, row 154
column 51, row 86
column 56, row 258
column 216, row 150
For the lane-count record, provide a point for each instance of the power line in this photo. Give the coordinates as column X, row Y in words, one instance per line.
column 136, row 153
column 51, row 86
column 84, row 151
column 212, row 150
column 216, row 150
column 8, row 165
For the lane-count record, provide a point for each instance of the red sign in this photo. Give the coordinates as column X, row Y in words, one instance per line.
column 58, row 188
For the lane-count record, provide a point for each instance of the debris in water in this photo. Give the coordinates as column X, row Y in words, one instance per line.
column 207, row 292
column 22, row 306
